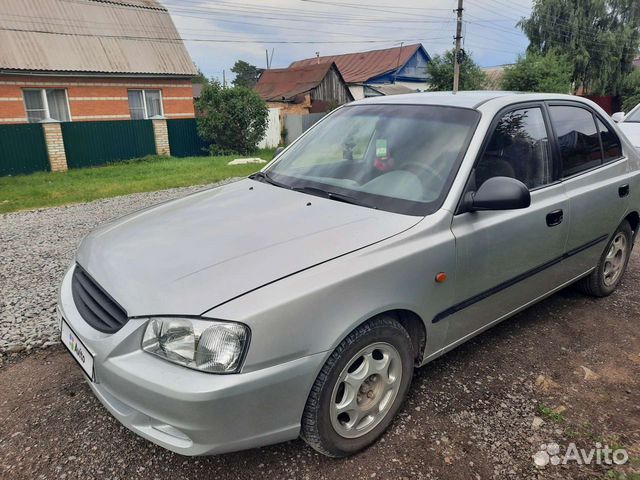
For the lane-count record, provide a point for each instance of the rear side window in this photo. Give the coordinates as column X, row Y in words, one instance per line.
column 578, row 138
column 610, row 143
column 519, row 148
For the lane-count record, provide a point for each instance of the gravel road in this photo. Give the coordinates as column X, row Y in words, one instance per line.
column 566, row 370
column 36, row 247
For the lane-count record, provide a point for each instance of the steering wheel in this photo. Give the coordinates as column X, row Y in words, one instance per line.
column 424, row 172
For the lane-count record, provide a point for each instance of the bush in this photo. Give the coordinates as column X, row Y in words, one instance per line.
column 549, row 73
column 440, row 70
column 232, row 120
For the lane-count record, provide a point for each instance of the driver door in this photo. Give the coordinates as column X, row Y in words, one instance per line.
column 507, row 259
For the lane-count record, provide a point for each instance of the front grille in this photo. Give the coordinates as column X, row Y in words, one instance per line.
column 95, row 305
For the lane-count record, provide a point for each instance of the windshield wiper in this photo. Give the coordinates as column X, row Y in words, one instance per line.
column 339, row 197
column 266, row 178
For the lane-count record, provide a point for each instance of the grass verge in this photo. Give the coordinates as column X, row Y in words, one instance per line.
column 49, row 189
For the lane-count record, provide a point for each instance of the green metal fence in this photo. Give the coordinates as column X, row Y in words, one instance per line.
column 184, row 140
column 90, row 144
column 22, row 149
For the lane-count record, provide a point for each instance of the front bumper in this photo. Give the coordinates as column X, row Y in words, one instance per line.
column 190, row 412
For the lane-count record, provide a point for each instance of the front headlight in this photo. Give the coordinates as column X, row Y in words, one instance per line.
column 205, row 345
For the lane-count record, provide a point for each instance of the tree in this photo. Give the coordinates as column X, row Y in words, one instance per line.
column 246, row 74
column 440, row 69
column 535, row 72
column 600, row 37
column 630, row 93
column 200, row 78
column 233, row 120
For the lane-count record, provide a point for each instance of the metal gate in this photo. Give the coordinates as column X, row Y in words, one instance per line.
column 184, row 140
column 89, row 144
column 22, row 149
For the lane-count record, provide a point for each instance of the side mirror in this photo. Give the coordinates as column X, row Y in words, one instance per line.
column 500, row 193
column 617, row 117
column 278, row 152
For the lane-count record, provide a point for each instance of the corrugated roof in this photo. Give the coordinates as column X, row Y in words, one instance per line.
column 101, row 36
column 362, row 66
column 280, row 84
column 392, row 89
column 136, row 3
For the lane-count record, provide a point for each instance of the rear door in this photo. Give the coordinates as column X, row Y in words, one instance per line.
column 506, row 259
column 595, row 175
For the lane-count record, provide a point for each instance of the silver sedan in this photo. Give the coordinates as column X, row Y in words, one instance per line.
column 298, row 302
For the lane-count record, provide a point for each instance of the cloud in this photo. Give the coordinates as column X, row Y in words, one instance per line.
column 247, row 28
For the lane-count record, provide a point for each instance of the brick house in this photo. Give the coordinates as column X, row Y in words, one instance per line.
column 82, row 60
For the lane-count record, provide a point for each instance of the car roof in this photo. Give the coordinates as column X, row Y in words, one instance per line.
column 466, row 99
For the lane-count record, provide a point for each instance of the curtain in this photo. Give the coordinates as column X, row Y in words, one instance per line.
column 34, row 105
column 136, row 108
column 154, row 103
column 58, row 107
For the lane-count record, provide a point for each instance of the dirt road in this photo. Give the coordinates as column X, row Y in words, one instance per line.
column 566, row 370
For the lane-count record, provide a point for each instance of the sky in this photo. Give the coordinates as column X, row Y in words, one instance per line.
column 219, row 32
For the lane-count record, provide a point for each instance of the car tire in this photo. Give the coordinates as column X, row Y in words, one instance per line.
column 612, row 264
column 360, row 388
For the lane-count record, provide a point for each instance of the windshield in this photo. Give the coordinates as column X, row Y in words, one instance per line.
column 634, row 116
column 398, row 158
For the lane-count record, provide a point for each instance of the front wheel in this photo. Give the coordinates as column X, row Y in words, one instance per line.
column 612, row 264
column 359, row 389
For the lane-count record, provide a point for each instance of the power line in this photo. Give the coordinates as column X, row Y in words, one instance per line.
column 354, row 5
column 226, row 7
column 213, row 40
column 564, row 26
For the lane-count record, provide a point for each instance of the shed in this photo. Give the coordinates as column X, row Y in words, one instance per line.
column 306, row 89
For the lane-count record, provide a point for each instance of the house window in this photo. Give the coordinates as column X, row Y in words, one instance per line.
column 46, row 103
column 145, row 104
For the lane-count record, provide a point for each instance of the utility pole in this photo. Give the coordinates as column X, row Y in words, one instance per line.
column 224, row 79
column 457, row 57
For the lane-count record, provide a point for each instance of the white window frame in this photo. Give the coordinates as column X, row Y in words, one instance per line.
column 144, row 100
column 45, row 102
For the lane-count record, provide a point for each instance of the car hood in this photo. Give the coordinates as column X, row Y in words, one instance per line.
column 189, row 255
column 632, row 131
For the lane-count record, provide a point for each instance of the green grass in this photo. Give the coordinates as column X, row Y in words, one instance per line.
column 48, row 189
column 548, row 413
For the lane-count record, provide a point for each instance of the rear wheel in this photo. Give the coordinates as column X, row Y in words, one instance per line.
column 359, row 389
column 612, row 264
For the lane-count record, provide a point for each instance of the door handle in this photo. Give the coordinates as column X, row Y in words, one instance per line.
column 555, row 218
column 623, row 191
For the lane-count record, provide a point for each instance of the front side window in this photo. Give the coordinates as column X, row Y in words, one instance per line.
column 393, row 157
column 519, row 148
column 50, row 103
column 145, row 104
column 578, row 139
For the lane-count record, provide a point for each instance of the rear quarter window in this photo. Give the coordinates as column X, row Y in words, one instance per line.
column 612, row 149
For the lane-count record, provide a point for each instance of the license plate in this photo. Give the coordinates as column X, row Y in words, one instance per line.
column 77, row 349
